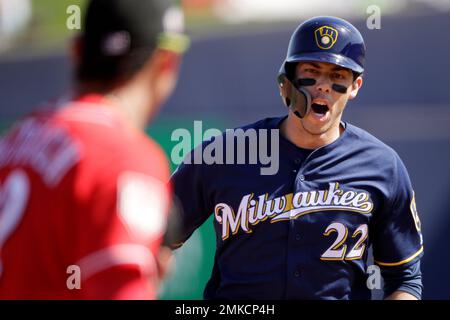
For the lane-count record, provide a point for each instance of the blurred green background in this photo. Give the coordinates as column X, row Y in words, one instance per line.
column 194, row 260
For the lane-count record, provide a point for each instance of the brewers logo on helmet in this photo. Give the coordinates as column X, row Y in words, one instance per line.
column 326, row 37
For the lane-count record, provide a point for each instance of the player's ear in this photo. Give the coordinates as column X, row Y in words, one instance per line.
column 166, row 62
column 356, row 85
column 164, row 69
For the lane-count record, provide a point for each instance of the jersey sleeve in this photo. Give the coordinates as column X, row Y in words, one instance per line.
column 406, row 278
column 192, row 206
column 397, row 230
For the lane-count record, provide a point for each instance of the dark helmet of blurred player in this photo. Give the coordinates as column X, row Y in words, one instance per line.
column 124, row 39
column 119, row 35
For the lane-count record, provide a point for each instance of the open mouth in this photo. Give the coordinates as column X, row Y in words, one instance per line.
column 319, row 108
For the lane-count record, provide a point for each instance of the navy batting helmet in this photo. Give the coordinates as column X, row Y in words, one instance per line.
column 319, row 39
column 327, row 39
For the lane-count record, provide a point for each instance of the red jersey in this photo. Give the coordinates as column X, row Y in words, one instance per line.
column 83, row 206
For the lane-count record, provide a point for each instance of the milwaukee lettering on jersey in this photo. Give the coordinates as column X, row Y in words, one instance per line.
column 290, row 206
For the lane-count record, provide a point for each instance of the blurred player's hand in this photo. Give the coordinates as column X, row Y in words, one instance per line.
column 165, row 262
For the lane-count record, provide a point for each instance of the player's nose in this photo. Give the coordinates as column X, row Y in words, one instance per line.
column 323, row 85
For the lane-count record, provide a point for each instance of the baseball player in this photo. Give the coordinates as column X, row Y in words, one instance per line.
column 304, row 232
column 83, row 191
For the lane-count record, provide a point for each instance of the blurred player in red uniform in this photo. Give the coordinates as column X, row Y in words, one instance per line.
column 83, row 194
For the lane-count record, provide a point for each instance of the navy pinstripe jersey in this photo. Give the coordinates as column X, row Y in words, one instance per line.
column 304, row 232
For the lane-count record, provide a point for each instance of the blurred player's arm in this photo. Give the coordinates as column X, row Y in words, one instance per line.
column 192, row 208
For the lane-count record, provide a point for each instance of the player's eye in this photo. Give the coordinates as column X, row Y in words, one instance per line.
column 312, row 71
column 337, row 76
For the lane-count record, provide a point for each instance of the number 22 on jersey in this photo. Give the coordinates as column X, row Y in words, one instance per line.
column 337, row 251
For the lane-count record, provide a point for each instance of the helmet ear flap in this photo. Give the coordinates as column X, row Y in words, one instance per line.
column 296, row 99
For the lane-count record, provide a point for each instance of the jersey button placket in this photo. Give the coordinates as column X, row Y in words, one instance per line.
column 294, row 261
column 300, row 182
column 297, row 163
